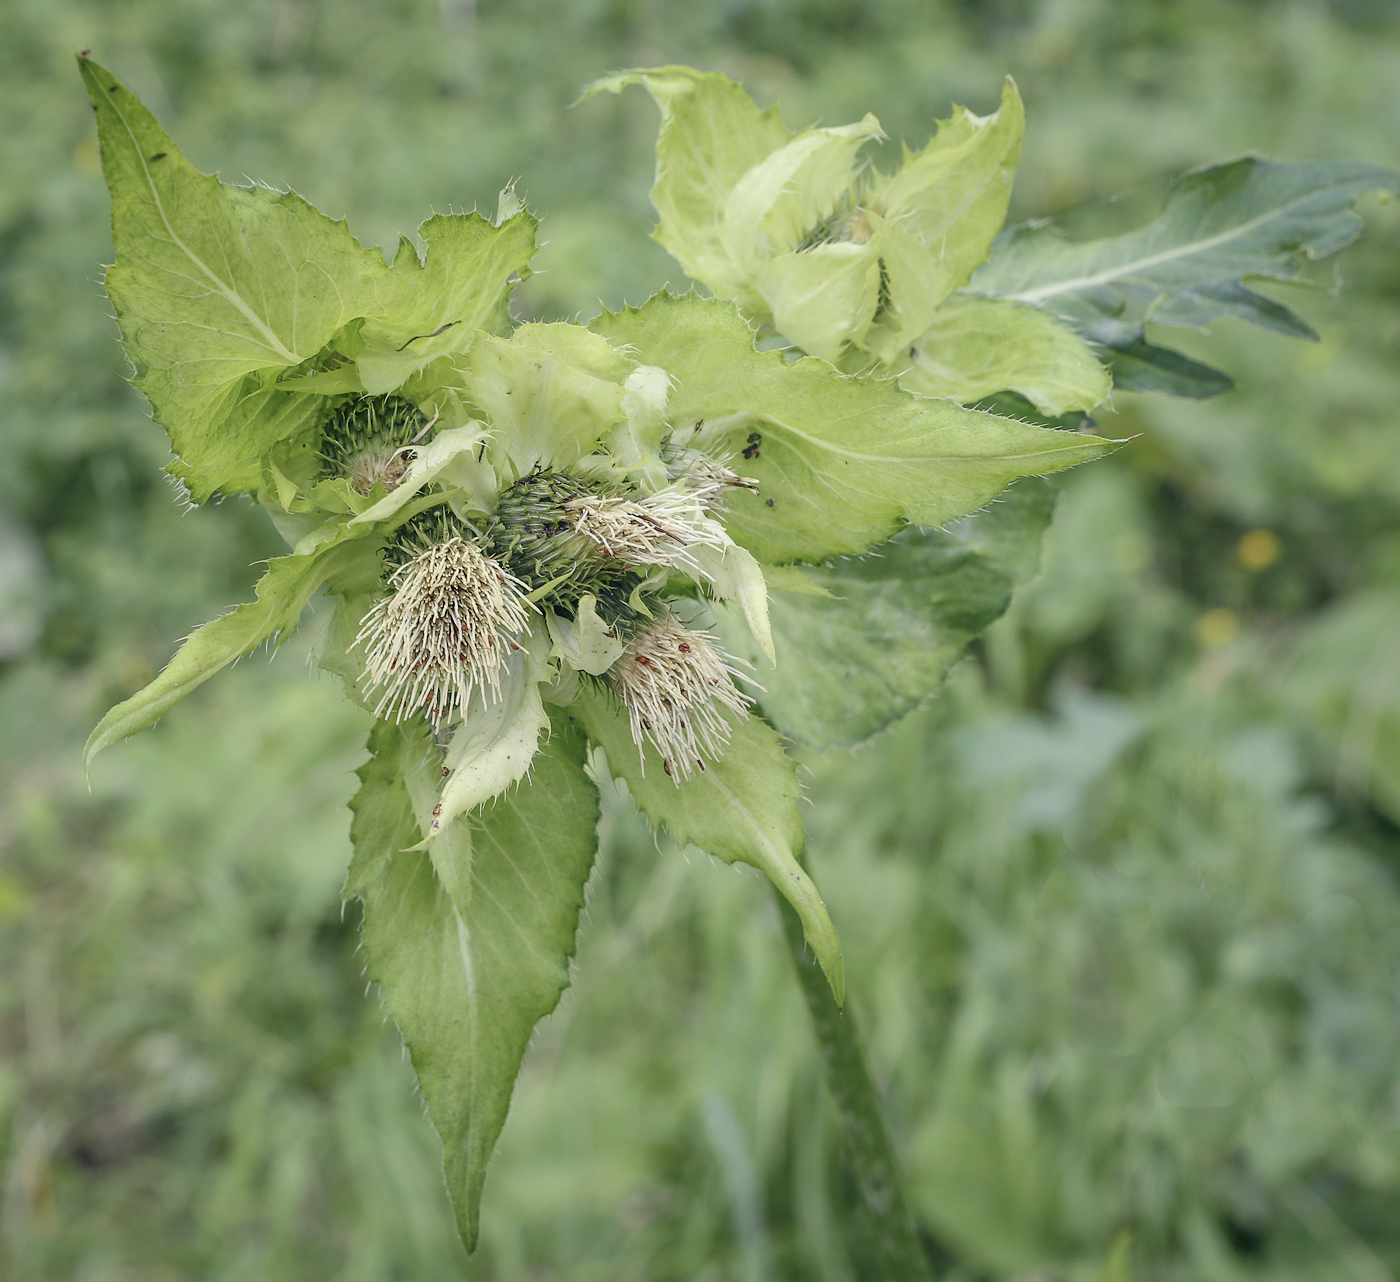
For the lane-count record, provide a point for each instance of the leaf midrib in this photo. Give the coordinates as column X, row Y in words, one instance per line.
column 905, row 460
column 1151, row 260
column 231, row 296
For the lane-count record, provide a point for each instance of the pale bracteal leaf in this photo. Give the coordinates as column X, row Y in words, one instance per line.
column 978, row 346
column 736, row 576
column 842, row 463
column 635, row 443
column 585, row 642
column 953, row 194
column 282, row 594
column 421, row 766
column 467, row 975
column 549, row 392
column 780, row 199
column 459, row 445
column 741, row 808
column 866, row 640
column 823, row 298
column 914, row 282
column 711, row 135
column 219, row 290
column 497, row 739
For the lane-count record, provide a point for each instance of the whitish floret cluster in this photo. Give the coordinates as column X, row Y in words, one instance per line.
column 705, row 478
column 657, row 530
column 676, row 684
column 446, row 628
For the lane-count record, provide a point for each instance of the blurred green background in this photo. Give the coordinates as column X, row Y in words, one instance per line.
column 1120, row 906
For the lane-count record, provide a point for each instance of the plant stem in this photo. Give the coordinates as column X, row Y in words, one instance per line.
column 866, row 1142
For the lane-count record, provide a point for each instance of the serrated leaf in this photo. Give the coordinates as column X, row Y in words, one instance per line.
column 220, row 289
column 1220, row 225
column 953, row 194
column 282, row 594
column 872, row 637
column 466, row 977
column 978, row 346
column 433, row 307
column 711, row 135
column 842, row 463
column 741, row 808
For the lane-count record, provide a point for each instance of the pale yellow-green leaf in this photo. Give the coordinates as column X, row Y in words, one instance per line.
column 782, row 197
column 977, row 346
column 822, row 298
column 953, row 194
column 549, row 393
column 429, row 462
column 711, row 135
column 842, row 463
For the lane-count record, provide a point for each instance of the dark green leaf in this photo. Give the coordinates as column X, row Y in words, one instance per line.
column 852, row 662
column 471, row 945
column 1220, row 225
column 1144, row 367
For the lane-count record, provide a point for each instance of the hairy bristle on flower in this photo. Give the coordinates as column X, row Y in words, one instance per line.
column 656, row 530
column 447, row 627
column 707, row 479
column 676, row 684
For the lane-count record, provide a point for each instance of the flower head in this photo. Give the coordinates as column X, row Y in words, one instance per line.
column 446, row 628
column 655, row 530
column 675, row 683
column 369, row 441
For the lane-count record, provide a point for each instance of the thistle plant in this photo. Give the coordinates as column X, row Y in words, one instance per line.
column 637, row 547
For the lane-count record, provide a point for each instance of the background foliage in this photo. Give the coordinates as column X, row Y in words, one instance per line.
column 1120, row 907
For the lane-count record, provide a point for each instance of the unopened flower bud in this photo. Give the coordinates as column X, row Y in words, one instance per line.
column 368, row 442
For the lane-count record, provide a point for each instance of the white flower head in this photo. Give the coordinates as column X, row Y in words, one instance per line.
column 447, row 627
column 655, row 530
column 676, row 684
